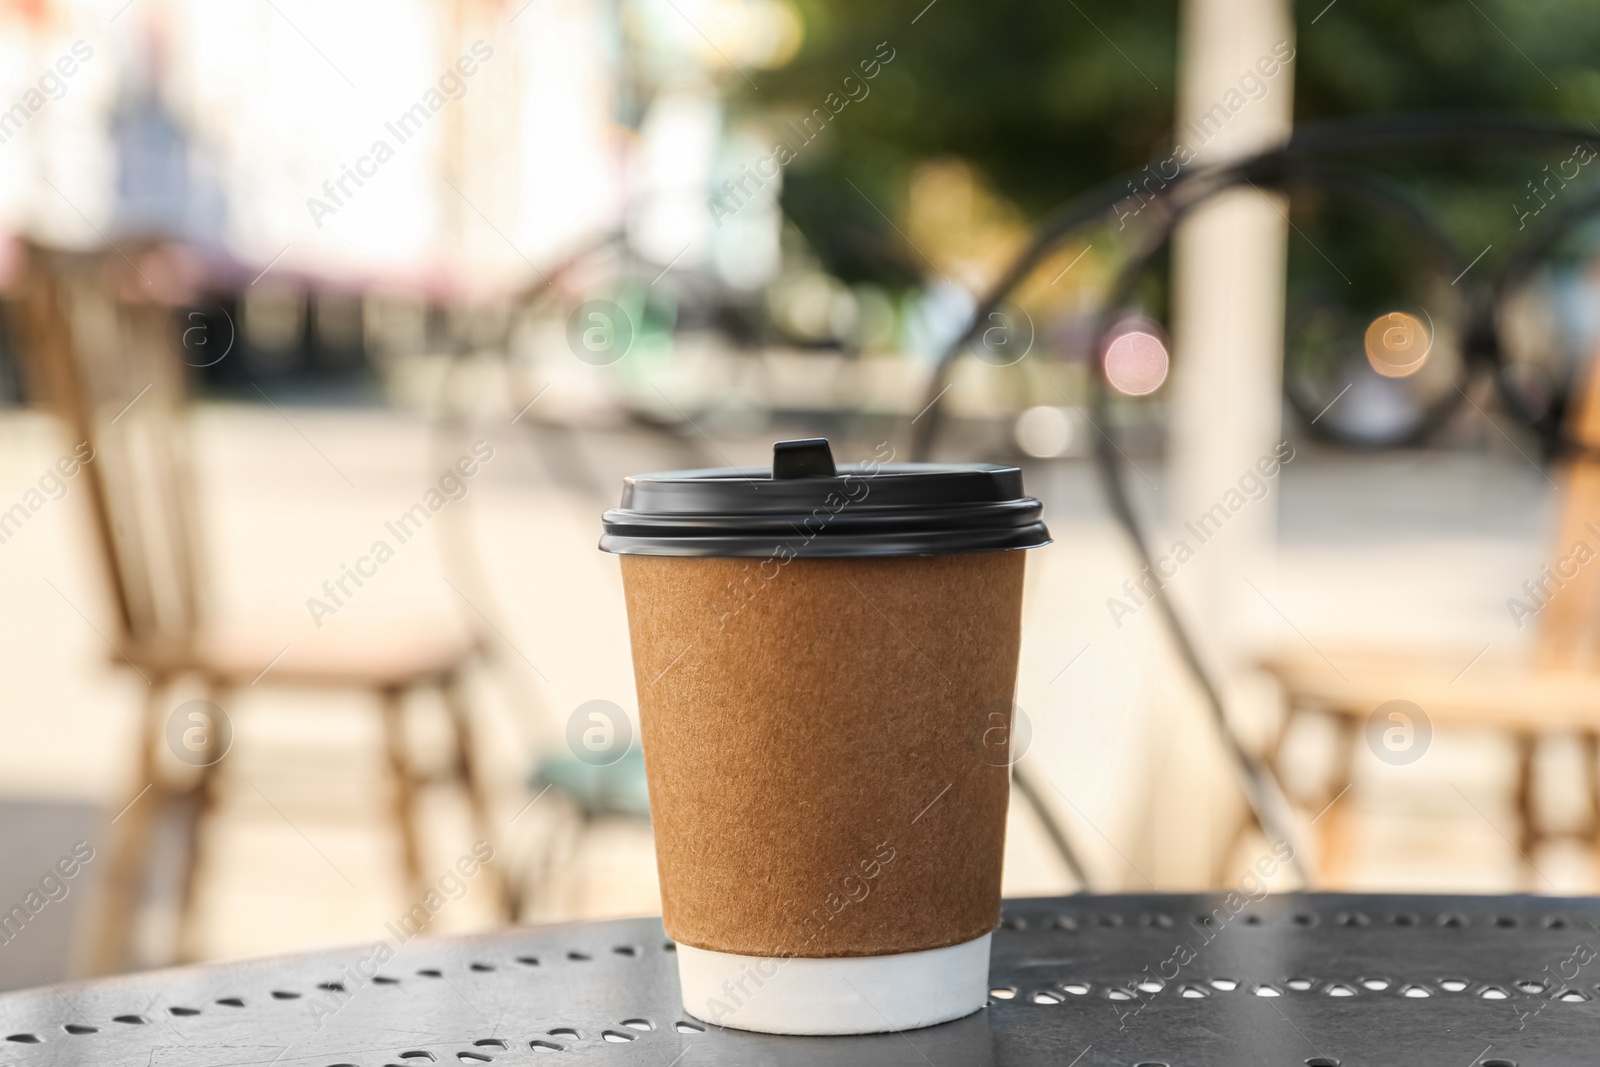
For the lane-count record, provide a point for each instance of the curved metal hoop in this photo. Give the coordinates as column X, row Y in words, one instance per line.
column 1313, row 156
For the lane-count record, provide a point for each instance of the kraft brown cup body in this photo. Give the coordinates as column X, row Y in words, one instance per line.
column 818, row 737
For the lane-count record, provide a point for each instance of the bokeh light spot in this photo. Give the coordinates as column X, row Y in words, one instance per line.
column 1044, row 432
column 1136, row 363
column 1398, row 344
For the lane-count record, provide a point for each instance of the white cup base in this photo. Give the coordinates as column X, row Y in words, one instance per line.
column 844, row 995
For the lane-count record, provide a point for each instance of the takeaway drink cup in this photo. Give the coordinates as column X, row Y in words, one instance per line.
column 825, row 660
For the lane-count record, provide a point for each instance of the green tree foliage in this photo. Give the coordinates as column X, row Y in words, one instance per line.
column 1048, row 97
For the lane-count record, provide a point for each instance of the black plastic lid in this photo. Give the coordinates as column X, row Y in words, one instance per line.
column 806, row 507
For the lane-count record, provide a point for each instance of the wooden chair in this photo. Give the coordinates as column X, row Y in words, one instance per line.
column 101, row 350
column 1555, row 690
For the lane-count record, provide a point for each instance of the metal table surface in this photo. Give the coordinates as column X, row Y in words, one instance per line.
column 1127, row 980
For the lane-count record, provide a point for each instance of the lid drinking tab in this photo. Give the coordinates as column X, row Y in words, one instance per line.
column 807, row 458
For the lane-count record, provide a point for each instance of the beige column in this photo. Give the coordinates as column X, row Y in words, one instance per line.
column 1235, row 97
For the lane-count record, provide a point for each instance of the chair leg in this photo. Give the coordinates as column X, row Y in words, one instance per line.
column 1335, row 831
column 1528, row 831
column 1271, row 759
column 1591, row 780
column 1223, row 872
column 470, row 774
column 202, row 801
column 405, row 791
column 130, row 844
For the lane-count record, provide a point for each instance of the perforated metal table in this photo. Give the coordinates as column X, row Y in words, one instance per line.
column 1115, row 980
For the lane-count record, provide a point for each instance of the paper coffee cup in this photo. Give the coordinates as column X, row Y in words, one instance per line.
column 825, row 660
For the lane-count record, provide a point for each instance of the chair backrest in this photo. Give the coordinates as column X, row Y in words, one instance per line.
column 98, row 349
column 1569, row 624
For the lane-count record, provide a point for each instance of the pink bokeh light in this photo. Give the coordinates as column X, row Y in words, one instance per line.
column 1136, row 362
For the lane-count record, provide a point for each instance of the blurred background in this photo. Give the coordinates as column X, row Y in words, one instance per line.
column 327, row 332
